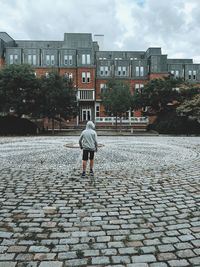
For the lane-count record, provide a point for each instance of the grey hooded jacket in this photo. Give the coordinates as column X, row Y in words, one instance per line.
column 88, row 137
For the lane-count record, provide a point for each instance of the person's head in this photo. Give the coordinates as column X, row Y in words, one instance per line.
column 90, row 125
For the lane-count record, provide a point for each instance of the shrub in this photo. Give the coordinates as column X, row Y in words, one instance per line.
column 11, row 125
column 170, row 123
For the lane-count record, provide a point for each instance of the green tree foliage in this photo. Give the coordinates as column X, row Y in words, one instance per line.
column 190, row 108
column 157, row 94
column 18, row 86
column 37, row 97
column 57, row 97
column 117, row 98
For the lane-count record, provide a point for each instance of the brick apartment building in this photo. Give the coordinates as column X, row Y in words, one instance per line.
column 80, row 58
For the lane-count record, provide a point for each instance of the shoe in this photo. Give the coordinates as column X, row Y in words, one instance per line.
column 91, row 173
column 83, row 174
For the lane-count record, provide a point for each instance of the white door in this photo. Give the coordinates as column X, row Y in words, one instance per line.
column 86, row 114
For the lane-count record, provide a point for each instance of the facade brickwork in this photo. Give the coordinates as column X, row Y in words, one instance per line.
column 87, row 84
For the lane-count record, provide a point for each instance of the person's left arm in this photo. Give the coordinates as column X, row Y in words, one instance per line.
column 80, row 141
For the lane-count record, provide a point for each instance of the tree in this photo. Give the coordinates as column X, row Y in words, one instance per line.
column 190, row 108
column 57, row 97
column 157, row 95
column 18, row 85
column 117, row 98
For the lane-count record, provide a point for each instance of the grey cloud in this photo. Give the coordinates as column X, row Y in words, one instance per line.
column 149, row 22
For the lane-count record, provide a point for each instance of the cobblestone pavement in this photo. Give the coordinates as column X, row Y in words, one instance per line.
column 142, row 209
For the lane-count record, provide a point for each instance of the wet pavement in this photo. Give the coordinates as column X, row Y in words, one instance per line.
column 141, row 209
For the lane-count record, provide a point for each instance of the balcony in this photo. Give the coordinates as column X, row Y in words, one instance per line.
column 86, row 95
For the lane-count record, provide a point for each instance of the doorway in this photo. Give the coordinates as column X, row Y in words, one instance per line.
column 86, row 114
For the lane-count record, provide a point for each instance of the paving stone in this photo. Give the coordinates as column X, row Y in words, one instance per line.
column 8, row 264
column 5, row 234
column 195, row 261
column 166, row 256
column 17, row 249
column 44, row 256
column 187, row 253
column 7, row 256
column 28, row 264
column 39, row 249
column 100, row 260
column 51, row 264
column 115, row 244
column 158, row 264
column 138, row 265
column 144, row 258
column 127, row 250
column 178, row 263
column 120, row 259
column 143, row 215
column 166, row 248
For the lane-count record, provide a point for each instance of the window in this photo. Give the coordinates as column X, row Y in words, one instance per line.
column 85, row 59
column 101, row 70
column 11, row 59
column 189, row 74
column 29, row 59
column 88, row 59
column 68, row 75
column 47, row 59
column 15, row 59
column 142, row 71
column 67, row 59
column 177, row 73
column 86, row 94
column 103, row 87
column 52, row 59
column 32, row 59
column 104, row 71
column 138, row 87
column 139, row 71
column 124, row 71
column 194, row 74
column 86, row 77
column 98, row 110
column 119, row 71
column 70, row 60
column 83, row 77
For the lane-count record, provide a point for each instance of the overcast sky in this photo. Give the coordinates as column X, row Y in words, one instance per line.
column 128, row 25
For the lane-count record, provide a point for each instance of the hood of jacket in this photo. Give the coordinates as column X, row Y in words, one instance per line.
column 90, row 125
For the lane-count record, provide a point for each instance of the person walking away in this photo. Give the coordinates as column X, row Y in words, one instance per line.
column 88, row 142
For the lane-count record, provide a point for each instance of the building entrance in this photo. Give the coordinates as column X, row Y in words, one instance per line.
column 86, row 114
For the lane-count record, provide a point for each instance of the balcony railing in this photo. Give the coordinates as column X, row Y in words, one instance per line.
column 131, row 120
column 86, row 95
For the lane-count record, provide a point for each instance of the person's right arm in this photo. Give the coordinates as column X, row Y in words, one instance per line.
column 95, row 142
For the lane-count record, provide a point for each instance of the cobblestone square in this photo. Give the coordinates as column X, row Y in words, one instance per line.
column 142, row 209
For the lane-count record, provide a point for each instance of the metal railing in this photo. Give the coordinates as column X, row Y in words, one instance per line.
column 130, row 120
